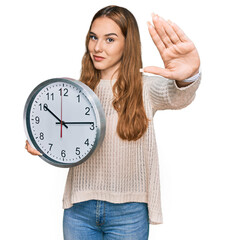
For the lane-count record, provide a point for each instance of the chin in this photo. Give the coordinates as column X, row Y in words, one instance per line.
column 98, row 67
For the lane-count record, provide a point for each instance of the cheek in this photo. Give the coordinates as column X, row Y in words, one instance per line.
column 118, row 51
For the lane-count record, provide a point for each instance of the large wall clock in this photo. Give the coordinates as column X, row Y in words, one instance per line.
column 64, row 120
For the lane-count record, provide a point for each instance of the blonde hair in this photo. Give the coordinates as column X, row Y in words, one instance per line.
column 127, row 90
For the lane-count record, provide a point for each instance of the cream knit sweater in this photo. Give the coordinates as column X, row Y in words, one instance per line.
column 122, row 171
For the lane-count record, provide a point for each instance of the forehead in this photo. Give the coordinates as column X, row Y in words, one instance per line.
column 105, row 25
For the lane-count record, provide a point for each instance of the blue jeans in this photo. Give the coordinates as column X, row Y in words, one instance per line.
column 94, row 219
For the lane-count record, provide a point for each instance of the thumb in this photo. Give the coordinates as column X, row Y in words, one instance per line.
column 158, row 71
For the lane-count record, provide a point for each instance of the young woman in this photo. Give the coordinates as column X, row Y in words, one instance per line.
column 116, row 193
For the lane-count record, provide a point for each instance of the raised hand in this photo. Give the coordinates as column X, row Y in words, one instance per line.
column 179, row 54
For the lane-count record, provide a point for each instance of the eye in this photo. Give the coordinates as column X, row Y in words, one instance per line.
column 93, row 37
column 110, row 40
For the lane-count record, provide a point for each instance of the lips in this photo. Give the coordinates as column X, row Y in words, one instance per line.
column 98, row 58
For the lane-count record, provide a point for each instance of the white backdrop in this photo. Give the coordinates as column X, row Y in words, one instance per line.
column 45, row 39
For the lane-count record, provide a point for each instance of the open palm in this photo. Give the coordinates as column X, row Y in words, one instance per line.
column 180, row 57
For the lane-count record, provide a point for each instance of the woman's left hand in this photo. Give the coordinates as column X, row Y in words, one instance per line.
column 179, row 54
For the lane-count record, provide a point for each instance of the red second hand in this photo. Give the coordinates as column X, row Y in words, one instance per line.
column 61, row 119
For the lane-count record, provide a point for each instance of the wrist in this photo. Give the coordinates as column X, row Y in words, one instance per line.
column 188, row 81
column 192, row 78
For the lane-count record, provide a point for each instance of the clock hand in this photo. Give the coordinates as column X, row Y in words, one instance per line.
column 76, row 122
column 45, row 107
column 61, row 119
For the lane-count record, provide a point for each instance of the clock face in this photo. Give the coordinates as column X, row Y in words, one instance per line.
column 64, row 121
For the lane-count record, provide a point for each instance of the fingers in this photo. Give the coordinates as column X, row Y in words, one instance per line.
column 32, row 150
column 180, row 33
column 156, row 39
column 160, row 26
column 174, row 39
column 165, row 33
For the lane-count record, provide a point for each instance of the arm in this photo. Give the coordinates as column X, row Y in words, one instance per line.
column 165, row 94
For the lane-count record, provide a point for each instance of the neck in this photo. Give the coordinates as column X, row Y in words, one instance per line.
column 110, row 74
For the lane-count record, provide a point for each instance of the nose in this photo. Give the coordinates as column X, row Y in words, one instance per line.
column 98, row 46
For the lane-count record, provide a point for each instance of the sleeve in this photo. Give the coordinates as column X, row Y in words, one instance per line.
column 165, row 94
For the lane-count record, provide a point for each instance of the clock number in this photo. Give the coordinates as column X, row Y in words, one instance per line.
column 92, row 126
column 50, row 96
column 65, row 90
column 78, row 98
column 50, row 148
column 87, row 111
column 41, row 136
column 37, row 120
column 63, row 153
column 77, row 150
column 45, row 105
column 87, row 142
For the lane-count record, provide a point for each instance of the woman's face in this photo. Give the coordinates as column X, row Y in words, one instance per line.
column 106, row 46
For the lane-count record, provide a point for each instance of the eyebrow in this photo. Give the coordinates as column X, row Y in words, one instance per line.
column 108, row 34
